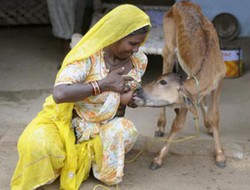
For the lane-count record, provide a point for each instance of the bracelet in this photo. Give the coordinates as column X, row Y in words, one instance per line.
column 96, row 88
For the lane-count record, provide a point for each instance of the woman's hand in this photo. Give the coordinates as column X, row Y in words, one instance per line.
column 115, row 81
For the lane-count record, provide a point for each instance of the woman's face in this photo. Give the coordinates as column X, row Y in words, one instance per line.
column 125, row 47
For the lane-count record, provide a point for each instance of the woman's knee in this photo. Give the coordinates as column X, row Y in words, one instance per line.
column 122, row 123
column 127, row 128
column 41, row 139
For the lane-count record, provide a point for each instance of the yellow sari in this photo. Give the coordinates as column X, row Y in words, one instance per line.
column 69, row 160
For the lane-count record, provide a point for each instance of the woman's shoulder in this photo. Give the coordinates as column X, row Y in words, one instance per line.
column 90, row 60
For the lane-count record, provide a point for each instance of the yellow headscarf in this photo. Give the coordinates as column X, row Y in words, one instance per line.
column 115, row 25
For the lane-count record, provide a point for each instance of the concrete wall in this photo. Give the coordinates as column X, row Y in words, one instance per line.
column 240, row 9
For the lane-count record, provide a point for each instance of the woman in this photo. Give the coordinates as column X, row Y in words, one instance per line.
column 81, row 125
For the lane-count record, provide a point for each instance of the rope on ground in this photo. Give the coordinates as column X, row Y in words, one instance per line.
column 171, row 141
column 104, row 187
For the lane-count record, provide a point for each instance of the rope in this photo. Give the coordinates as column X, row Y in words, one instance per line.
column 171, row 141
column 198, row 90
column 104, row 187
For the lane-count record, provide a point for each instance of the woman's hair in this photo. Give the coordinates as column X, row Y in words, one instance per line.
column 143, row 30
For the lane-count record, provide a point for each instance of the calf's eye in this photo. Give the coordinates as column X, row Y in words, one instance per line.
column 163, row 82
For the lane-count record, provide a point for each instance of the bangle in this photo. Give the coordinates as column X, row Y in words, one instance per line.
column 96, row 88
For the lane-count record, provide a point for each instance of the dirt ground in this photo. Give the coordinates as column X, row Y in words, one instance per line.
column 29, row 57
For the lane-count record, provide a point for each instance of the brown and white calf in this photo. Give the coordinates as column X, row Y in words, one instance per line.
column 190, row 39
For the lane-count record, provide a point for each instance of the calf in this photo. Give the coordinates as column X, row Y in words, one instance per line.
column 192, row 41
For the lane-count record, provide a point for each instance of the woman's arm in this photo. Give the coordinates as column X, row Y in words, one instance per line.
column 114, row 81
column 71, row 92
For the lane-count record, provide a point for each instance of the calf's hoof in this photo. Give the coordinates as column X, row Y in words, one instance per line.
column 210, row 134
column 159, row 134
column 220, row 159
column 154, row 166
column 221, row 164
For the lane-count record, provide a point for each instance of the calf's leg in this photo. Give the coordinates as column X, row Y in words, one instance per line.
column 211, row 118
column 168, row 55
column 177, row 125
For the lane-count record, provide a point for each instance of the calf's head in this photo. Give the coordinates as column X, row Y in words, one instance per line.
column 167, row 90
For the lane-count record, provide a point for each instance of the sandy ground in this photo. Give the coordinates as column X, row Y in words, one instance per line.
column 29, row 57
